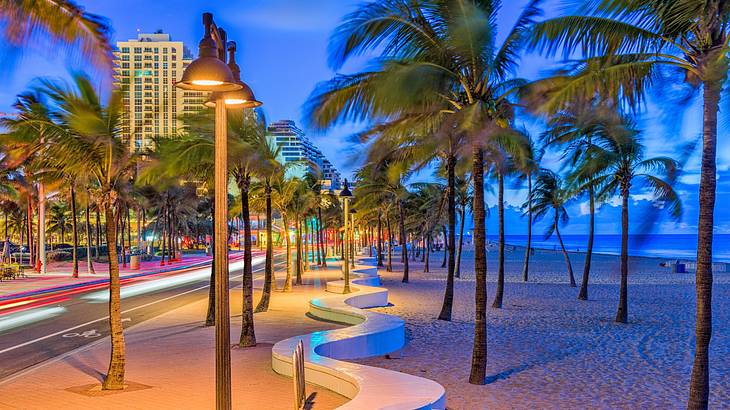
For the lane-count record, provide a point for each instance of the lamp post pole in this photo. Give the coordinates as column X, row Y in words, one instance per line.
column 209, row 72
column 352, row 239
column 346, row 246
column 222, row 317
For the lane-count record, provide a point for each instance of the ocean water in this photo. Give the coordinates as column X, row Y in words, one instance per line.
column 665, row 246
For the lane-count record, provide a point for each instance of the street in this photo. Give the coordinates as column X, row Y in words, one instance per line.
column 77, row 317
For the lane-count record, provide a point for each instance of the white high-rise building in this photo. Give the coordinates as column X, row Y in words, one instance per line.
column 146, row 70
column 297, row 148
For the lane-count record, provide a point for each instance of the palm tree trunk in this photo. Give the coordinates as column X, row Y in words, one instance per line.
column 446, row 306
column 446, row 248
column 316, row 240
column 565, row 253
column 170, row 236
column 288, row 280
column 462, row 215
column 307, row 254
column 75, row 238
column 89, row 263
column 478, row 371
column 403, row 240
column 322, row 239
column 248, row 333
column 622, row 315
column 163, row 244
column 499, row 295
column 528, row 249
column 269, row 279
column 210, row 313
column 97, row 222
column 298, row 243
column 129, row 231
column 427, row 254
column 370, row 240
column 583, row 294
column 427, row 241
column 699, row 390
column 389, row 266
column 114, row 379
column 380, row 239
column 121, row 240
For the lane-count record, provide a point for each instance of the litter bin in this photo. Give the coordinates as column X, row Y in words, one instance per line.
column 134, row 262
column 678, row 267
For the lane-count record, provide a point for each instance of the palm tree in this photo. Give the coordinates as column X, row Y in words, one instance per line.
column 550, row 194
column 62, row 22
column 463, row 199
column 94, row 148
column 572, row 131
column 283, row 192
column 59, row 219
column 627, row 167
column 505, row 152
column 527, row 169
column 434, row 54
column 627, row 43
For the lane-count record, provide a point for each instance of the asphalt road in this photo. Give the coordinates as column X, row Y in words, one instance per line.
column 47, row 332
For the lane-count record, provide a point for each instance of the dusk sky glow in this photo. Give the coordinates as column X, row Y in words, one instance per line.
column 283, row 54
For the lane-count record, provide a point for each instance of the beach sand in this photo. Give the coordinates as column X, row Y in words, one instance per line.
column 548, row 350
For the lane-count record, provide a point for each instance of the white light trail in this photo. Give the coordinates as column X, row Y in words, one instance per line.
column 19, row 319
column 164, row 283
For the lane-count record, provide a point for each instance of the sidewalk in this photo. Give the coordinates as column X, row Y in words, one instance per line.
column 170, row 362
column 58, row 276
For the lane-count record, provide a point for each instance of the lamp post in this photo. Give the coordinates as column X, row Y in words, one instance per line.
column 345, row 194
column 352, row 238
column 209, row 72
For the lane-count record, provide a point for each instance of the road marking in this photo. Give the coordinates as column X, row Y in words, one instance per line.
column 39, row 339
column 87, row 334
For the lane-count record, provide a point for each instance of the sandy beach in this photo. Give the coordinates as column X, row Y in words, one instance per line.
column 548, row 350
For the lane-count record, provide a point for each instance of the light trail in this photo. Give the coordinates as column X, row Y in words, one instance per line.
column 164, row 283
column 15, row 320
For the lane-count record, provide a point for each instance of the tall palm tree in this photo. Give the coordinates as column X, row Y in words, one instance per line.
column 550, row 194
column 627, row 167
column 61, row 22
column 527, row 169
column 508, row 151
column 94, row 147
column 283, row 192
column 573, row 130
column 434, row 54
column 463, row 199
column 627, row 43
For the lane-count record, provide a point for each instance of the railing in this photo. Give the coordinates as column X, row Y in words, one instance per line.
column 300, row 394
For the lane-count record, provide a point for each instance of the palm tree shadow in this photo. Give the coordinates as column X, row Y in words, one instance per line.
column 84, row 367
column 541, row 361
column 309, row 402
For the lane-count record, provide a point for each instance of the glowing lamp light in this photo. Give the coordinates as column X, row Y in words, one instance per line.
column 206, row 82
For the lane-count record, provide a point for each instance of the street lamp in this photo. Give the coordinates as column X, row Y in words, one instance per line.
column 209, row 72
column 345, row 194
column 352, row 238
column 241, row 98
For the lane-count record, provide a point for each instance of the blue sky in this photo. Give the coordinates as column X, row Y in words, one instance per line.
column 283, row 55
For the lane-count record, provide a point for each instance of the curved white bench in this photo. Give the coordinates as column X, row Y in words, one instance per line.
column 373, row 334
